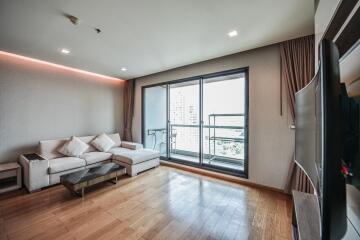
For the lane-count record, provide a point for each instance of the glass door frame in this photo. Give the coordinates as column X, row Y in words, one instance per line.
column 143, row 115
column 201, row 78
column 199, row 82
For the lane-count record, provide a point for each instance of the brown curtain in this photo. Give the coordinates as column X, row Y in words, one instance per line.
column 297, row 69
column 129, row 92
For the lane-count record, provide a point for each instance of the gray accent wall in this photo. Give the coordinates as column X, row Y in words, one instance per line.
column 271, row 142
column 39, row 102
column 323, row 15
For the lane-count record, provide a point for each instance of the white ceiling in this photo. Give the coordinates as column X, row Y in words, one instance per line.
column 147, row 36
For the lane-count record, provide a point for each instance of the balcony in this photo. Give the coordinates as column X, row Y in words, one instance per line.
column 223, row 145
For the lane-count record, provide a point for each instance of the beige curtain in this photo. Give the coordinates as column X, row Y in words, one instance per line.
column 297, row 58
column 129, row 91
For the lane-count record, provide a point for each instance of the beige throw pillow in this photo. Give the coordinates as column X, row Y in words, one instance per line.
column 73, row 147
column 103, row 142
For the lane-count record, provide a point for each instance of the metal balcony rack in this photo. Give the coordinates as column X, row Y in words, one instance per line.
column 213, row 138
column 153, row 132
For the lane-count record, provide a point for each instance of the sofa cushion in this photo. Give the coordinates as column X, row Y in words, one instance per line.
column 116, row 138
column 95, row 157
column 73, row 148
column 48, row 148
column 118, row 150
column 103, row 143
column 137, row 156
column 65, row 163
column 87, row 140
column 131, row 145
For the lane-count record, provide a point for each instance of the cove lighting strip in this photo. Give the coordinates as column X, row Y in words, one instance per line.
column 33, row 60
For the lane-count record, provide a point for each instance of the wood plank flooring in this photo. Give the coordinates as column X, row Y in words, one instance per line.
column 164, row 203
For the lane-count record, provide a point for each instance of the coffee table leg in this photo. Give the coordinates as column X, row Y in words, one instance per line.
column 116, row 179
column 113, row 181
column 82, row 192
column 76, row 193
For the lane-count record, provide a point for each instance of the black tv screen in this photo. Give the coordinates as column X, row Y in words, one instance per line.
column 320, row 140
column 331, row 144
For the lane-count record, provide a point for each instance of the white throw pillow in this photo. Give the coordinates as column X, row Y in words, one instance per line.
column 73, row 148
column 103, row 142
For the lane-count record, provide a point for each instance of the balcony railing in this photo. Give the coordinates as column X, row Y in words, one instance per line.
column 184, row 140
column 222, row 144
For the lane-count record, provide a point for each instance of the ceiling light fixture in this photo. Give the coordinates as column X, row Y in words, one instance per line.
column 232, row 33
column 65, row 51
column 74, row 20
column 123, row 69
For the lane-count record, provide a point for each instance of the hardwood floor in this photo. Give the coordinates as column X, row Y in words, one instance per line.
column 163, row 203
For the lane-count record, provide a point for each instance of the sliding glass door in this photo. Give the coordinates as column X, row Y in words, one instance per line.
column 200, row 121
column 184, row 117
column 224, row 111
column 155, row 118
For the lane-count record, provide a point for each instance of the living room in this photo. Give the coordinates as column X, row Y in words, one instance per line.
column 175, row 120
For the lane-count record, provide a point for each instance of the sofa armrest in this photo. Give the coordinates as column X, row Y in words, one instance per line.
column 131, row 145
column 35, row 172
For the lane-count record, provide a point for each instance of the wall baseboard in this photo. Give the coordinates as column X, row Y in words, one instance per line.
column 220, row 176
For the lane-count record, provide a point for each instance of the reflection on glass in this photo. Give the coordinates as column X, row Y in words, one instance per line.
column 155, row 118
column 184, row 121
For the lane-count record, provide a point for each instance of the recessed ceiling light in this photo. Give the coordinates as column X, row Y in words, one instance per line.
column 124, row 69
column 65, row 51
column 232, row 33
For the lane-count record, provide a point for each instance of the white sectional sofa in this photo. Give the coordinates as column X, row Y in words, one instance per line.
column 42, row 173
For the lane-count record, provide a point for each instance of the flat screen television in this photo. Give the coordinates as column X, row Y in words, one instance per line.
column 327, row 140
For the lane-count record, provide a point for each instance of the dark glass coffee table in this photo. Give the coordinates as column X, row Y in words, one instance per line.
column 78, row 181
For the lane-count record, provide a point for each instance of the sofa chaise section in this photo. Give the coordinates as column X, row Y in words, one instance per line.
column 138, row 160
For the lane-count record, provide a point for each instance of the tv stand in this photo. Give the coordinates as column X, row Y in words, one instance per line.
column 306, row 216
column 353, row 213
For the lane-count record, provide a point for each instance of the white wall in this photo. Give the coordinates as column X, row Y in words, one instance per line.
column 271, row 142
column 39, row 102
